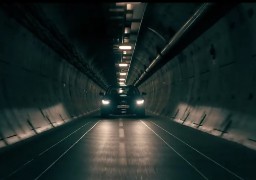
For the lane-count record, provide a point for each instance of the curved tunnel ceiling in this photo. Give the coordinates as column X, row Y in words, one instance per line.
column 96, row 30
column 156, row 32
column 88, row 26
column 92, row 32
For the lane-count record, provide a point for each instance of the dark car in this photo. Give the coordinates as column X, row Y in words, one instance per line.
column 122, row 100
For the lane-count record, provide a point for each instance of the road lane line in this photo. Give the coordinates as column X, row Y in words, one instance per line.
column 65, row 152
column 18, row 169
column 122, row 154
column 120, row 123
column 197, row 170
column 121, row 132
column 210, row 159
column 40, row 154
column 122, row 150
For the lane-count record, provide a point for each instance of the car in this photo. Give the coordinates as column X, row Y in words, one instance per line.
column 122, row 100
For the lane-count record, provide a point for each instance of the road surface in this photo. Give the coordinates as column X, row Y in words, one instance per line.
column 127, row 148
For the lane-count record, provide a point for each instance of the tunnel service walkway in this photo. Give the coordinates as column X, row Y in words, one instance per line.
column 127, row 148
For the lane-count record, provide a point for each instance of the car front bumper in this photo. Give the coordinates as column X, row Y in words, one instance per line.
column 119, row 110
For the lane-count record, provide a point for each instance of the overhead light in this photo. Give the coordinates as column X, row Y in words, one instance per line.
column 123, row 65
column 120, row 91
column 129, row 6
column 127, row 30
column 124, row 52
column 126, row 57
column 121, row 79
column 121, row 83
column 123, row 74
column 124, row 3
column 126, row 40
column 125, row 47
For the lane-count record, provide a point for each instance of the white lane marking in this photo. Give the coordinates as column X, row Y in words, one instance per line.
column 65, row 151
column 210, row 159
column 197, row 170
column 40, row 154
column 121, row 132
column 122, row 154
column 62, row 139
column 120, row 123
column 18, row 169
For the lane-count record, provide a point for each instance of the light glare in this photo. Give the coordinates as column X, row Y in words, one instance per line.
column 123, row 65
column 127, row 30
column 125, row 47
column 140, row 102
column 129, row 6
column 105, row 102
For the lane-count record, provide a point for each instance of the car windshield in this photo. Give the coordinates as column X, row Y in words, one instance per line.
column 127, row 90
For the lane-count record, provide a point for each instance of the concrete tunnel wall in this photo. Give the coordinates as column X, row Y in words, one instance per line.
column 211, row 84
column 39, row 90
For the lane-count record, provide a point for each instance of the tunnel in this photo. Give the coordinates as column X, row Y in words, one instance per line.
column 196, row 63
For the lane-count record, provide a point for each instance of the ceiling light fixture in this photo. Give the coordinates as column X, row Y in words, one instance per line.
column 126, row 40
column 123, row 65
column 129, row 6
column 121, row 83
column 123, row 47
column 127, row 30
column 126, row 57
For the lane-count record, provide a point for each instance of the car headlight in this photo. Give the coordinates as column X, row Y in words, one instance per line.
column 105, row 101
column 140, row 101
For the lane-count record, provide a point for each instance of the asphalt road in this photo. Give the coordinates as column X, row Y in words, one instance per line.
column 127, row 148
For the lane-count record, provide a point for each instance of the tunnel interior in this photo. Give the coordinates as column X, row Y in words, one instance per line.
column 195, row 61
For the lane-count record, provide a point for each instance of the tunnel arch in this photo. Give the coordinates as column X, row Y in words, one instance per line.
column 210, row 85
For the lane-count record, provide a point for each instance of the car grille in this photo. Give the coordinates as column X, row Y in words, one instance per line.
column 123, row 106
